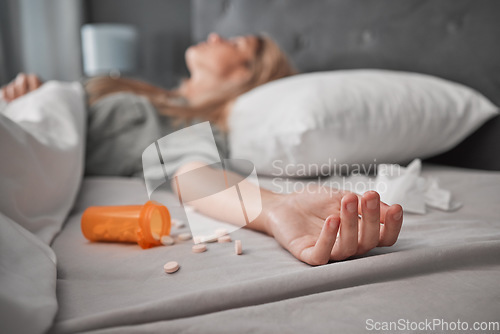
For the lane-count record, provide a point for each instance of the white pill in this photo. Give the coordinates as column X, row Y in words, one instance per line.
column 156, row 236
column 189, row 208
column 237, row 247
column 184, row 236
column 167, row 240
column 200, row 248
column 209, row 238
column 177, row 223
column 171, row 267
column 220, row 232
column 224, row 238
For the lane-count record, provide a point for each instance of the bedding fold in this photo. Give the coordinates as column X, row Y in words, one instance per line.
column 294, row 284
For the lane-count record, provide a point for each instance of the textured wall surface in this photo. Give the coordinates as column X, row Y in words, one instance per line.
column 41, row 37
column 164, row 29
column 453, row 39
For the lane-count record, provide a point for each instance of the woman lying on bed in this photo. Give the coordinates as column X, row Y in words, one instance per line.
column 125, row 116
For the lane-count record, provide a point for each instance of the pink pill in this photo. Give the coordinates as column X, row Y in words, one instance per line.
column 167, row 240
column 171, row 267
column 209, row 238
column 199, row 248
column 220, row 232
column 224, row 238
column 237, row 247
column 184, row 236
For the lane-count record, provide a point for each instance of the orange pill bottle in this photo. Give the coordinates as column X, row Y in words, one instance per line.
column 141, row 224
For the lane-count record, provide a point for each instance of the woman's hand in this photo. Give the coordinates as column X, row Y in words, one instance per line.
column 306, row 223
column 21, row 85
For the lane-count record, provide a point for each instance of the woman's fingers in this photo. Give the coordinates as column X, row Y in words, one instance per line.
column 348, row 235
column 10, row 93
column 383, row 211
column 392, row 226
column 33, row 82
column 369, row 225
column 320, row 253
column 20, row 85
column 347, row 243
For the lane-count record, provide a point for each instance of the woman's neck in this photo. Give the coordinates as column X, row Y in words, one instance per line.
column 196, row 88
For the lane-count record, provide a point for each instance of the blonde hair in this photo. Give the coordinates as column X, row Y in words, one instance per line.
column 270, row 63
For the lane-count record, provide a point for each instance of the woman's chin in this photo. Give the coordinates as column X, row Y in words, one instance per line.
column 190, row 55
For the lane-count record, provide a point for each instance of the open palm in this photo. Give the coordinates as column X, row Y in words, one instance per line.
column 322, row 224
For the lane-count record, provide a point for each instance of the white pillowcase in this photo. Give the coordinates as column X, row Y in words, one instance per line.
column 351, row 117
column 42, row 142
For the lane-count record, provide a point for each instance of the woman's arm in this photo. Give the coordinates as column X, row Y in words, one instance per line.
column 306, row 223
column 21, row 85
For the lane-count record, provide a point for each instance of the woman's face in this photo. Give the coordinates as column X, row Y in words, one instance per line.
column 222, row 59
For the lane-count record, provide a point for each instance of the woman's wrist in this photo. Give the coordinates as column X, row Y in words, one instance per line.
column 270, row 201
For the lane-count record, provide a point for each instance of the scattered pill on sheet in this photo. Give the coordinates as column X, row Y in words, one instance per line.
column 237, row 247
column 200, row 248
column 167, row 240
column 220, row 232
column 184, row 236
column 224, row 238
column 188, row 208
column 209, row 238
column 171, row 267
column 177, row 223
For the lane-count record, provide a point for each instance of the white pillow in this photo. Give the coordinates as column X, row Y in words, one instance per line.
column 42, row 137
column 351, row 117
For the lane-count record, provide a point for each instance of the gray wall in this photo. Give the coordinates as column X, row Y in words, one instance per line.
column 164, row 32
column 10, row 49
column 41, row 37
column 50, row 42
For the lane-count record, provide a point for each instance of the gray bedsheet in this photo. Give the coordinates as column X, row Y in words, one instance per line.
column 445, row 266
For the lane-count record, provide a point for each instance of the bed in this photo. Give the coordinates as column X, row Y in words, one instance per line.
column 444, row 266
column 441, row 275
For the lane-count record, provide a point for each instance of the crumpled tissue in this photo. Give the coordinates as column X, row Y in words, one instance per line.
column 405, row 186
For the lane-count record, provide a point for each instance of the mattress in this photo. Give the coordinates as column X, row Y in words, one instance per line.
column 444, row 268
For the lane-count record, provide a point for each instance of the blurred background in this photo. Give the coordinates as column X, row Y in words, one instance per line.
column 44, row 37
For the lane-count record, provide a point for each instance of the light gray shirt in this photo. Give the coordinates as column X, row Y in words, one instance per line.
column 122, row 125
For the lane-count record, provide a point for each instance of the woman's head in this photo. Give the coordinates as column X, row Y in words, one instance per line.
column 241, row 63
column 219, row 59
column 222, row 69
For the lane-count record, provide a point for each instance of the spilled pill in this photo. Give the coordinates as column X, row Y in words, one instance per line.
column 209, row 238
column 220, row 232
column 200, row 248
column 177, row 223
column 237, row 247
column 171, row 267
column 224, row 238
column 167, row 240
column 188, row 208
column 184, row 236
